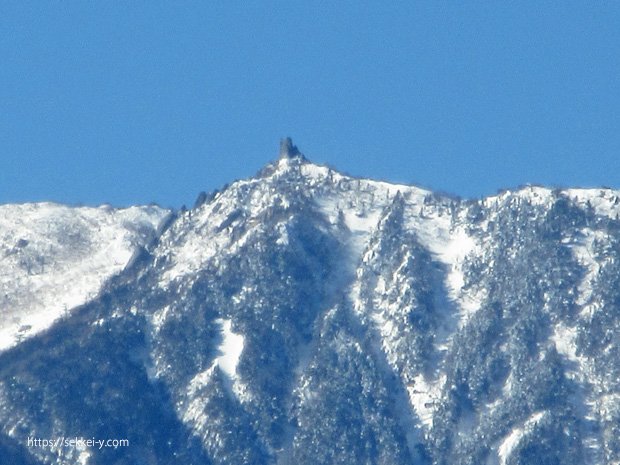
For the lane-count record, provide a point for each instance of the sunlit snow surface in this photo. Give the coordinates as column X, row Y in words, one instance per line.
column 230, row 350
column 512, row 440
column 54, row 258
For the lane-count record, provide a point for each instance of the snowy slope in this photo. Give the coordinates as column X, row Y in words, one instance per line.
column 54, row 258
column 353, row 209
column 306, row 316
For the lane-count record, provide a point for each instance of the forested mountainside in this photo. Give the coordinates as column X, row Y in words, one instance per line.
column 307, row 317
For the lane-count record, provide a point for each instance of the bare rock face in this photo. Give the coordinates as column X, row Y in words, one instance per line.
column 288, row 149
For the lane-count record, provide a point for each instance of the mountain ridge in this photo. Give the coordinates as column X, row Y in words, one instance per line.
column 304, row 316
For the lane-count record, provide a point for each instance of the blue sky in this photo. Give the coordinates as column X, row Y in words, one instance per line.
column 133, row 102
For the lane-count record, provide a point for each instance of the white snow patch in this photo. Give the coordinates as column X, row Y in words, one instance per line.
column 512, row 440
column 450, row 245
column 283, row 239
column 424, row 397
column 361, row 228
column 318, row 172
column 459, row 245
column 230, row 349
column 605, row 202
column 535, row 195
column 229, row 352
column 54, row 258
column 564, row 339
column 361, row 224
column 361, row 219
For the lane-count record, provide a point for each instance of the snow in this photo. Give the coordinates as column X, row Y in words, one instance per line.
column 84, row 455
column 190, row 250
column 361, row 227
column 609, row 406
column 450, row 244
column 587, row 398
column 200, row 380
column 229, row 352
column 361, row 224
column 605, row 202
column 194, row 413
column 537, row 195
column 584, row 252
column 361, row 208
column 198, row 237
column 318, row 172
column 230, row 349
column 158, row 318
column 578, row 368
column 55, row 258
column 564, row 339
column 540, row 196
column 424, row 397
column 512, row 440
column 453, row 254
column 456, row 249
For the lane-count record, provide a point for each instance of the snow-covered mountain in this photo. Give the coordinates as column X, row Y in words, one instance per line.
column 307, row 317
column 55, row 258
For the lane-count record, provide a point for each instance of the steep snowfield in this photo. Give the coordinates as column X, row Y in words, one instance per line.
column 230, row 351
column 54, row 258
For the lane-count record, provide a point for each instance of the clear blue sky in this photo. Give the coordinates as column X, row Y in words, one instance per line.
column 133, row 102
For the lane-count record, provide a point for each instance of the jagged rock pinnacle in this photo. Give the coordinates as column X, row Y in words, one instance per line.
column 287, row 149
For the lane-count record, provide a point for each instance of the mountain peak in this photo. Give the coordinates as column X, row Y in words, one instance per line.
column 288, row 149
